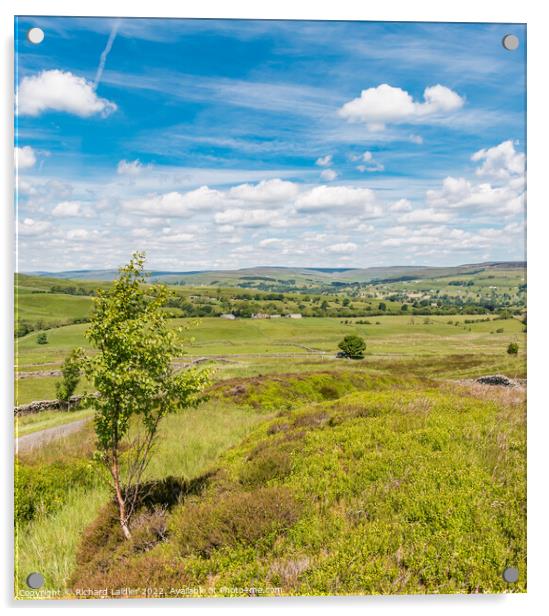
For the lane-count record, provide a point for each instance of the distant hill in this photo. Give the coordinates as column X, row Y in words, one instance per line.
column 300, row 275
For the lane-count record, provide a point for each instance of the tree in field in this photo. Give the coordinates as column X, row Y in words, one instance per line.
column 382, row 306
column 135, row 382
column 353, row 346
column 42, row 338
column 71, row 377
column 512, row 349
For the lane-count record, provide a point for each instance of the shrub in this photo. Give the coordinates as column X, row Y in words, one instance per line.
column 353, row 346
column 42, row 338
column 235, row 518
column 266, row 464
column 513, row 348
column 43, row 489
column 71, row 377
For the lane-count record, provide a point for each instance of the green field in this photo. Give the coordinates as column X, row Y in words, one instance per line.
column 302, row 473
column 246, row 346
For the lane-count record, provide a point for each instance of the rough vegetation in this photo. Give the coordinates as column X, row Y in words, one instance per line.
column 418, row 490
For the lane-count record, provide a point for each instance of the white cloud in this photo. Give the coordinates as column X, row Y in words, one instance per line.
column 71, row 209
column 387, row 104
column 141, row 232
column 56, row 90
column 459, row 193
column 25, row 157
column 30, row 227
column 346, row 199
column 248, row 218
column 368, row 163
column 226, row 229
column 266, row 191
column 324, row 161
column 133, row 167
column 175, row 203
column 78, row 234
column 500, row 162
column 271, row 241
column 402, row 205
column 178, row 237
column 328, row 174
column 343, row 248
column 417, row 139
column 427, row 215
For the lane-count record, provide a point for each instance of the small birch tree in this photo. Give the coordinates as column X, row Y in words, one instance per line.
column 135, row 381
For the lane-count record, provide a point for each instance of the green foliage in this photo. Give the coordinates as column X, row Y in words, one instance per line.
column 413, row 490
column 237, row 518
column 133, row 375
column 41, row 490
column 513, row 348
column 353, row 346
column 70, row 371
column 42, row 338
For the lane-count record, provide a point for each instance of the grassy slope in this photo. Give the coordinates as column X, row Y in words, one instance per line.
column 404, row 488
column 188, row 445
column 395, row 338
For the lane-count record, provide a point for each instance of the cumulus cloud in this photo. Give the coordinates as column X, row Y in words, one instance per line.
column 71, row 209
column 386, row 104
column 30, row 227
column 25, row 157
column 266, row 191
column 402, row 205
column 133, row 167
column 324, row 161
column 271, row 242
column 504, row 194
column 175, row 203
column 328, row 174
column 249, row 218
column 367, row 162
column 79, row 234
column 346, row 199
column 459, row 193
column 342, row 248
column 55, row 90
column 500, row 162
column 178, row 237
column 425, row 215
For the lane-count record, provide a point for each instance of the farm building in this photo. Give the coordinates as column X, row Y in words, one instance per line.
column 228, row 316
column 294, row 315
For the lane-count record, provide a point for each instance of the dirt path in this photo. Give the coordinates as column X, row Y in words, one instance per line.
column 41, row 437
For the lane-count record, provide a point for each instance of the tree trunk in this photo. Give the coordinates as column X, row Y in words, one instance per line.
column 120, row 500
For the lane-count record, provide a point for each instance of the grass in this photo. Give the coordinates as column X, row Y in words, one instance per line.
column 416, row 490
column 188, row 445
column 389, row 477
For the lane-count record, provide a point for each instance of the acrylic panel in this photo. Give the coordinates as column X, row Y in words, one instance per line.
column 270, row 308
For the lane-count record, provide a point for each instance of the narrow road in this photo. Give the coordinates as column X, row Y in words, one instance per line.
column 41, row 437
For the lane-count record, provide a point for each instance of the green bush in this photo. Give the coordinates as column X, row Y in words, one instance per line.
column 43, row 489
column 42, row 338
column 232, row 519
column 353, row 346
column 513, row 348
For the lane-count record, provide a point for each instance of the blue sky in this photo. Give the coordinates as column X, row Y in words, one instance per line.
column 216, row 144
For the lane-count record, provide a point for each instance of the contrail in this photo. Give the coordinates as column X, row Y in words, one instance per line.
column 105, row 53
